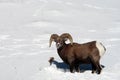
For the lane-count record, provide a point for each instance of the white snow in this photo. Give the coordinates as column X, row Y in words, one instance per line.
column 26, row 26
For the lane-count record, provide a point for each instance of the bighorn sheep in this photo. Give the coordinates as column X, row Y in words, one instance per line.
column 74, row 54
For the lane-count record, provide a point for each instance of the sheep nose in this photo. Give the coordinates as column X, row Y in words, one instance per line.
column 58, row 45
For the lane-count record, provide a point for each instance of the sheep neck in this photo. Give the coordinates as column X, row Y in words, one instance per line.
column 60, row 51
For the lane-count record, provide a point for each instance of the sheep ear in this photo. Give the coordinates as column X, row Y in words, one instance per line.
column 66, row 36
column 53, row 38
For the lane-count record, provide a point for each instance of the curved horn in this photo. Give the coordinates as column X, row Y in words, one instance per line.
column 52, row 38
column 66, row 36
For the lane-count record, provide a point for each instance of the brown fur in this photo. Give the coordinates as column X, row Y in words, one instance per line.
column 76, row 54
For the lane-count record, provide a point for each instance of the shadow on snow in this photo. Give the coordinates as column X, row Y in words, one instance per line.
column 65, row 67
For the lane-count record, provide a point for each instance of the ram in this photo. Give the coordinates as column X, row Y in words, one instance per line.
column 75, row 54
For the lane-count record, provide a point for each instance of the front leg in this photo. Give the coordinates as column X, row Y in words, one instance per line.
column 71, row 68
column 77, row 68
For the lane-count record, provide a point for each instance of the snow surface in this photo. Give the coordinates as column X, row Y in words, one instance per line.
column 26, row 26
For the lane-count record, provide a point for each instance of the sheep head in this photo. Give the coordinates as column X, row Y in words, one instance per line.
column 60, row 40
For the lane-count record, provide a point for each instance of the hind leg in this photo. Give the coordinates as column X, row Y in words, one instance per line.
column 99, row 68
column 92, row 64
column 93, row 68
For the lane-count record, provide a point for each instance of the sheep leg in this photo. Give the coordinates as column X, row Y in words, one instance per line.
column 92, row 64
column 99, row 68
column 96, row 64
column 72, row 68
column 77, row 68
column 93, row 68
